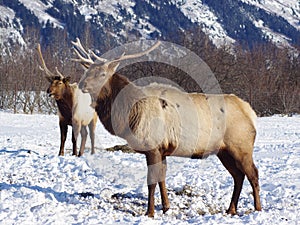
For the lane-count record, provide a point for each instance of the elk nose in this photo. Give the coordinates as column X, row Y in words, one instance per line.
column 82, row 86
column 49, row 92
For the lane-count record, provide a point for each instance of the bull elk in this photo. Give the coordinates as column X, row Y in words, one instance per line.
column 73, row 108
column 159, row 121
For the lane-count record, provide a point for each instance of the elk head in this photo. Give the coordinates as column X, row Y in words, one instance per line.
column 100, row 70
column 57, row 81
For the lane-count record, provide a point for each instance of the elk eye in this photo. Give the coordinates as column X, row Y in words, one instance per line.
column 100, row 74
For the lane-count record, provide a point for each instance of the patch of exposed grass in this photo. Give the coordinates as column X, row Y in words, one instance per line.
column 123, row 148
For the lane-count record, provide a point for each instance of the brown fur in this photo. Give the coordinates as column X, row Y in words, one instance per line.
column 106, row 99
column 63, row 94
column 73, row 107
column 159, row 121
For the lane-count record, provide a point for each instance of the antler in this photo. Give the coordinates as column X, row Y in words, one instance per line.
column 80, row 51
column 84, row 57
column 97, row 57
column 136, row 55
column 44, row 68
column 86, row 60
column 59, row 73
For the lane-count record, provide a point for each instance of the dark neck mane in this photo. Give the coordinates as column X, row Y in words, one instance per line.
column 107, row 96
column 65, row 105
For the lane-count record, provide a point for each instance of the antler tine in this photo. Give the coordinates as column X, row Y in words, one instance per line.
column 97, row 57
column 80, row 52
column 124, row 57
column 59, row 73
column 81, row 58
column 43, row 67
column 79, row 46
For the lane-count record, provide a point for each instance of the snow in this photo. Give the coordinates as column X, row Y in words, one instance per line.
column 111, row 7
column 277, row 38
column 39, row 187
column 8, row 31
column 39, row 10
column 288, row 9
column 200, row 13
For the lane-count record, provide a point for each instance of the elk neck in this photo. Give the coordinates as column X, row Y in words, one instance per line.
column 65, row 104
column 107, row 100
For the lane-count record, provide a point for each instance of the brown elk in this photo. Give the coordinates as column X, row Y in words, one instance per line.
column 73, row 109
column 159, row 121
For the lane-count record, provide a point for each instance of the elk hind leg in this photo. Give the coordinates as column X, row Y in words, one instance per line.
column 248, row 167
column 74, row 141
column 63, row 135
column 92, row 127
column 162, row 186
column 238, row 177
column 76, row 128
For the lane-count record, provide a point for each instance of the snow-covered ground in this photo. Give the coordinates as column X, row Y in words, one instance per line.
column 38, row 187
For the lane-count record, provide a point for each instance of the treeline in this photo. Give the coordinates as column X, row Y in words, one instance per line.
column 266, row 76
column 22, row 83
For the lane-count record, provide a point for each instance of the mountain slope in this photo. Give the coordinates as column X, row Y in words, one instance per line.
column 228, row 21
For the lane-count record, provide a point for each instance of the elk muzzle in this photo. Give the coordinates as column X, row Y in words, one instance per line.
column 83, row 86
column 49, row 92
column 53, row 93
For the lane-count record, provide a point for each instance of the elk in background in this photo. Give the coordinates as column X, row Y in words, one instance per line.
column 159, row 121
column 73, row 108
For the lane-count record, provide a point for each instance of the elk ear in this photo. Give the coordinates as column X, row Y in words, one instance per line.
column 66, row 79
column 50, row 79
column 112, row 67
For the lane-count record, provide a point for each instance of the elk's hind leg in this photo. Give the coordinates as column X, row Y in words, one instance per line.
column 74, row 141
column 238, row 177
column 92, row 127
column 162, row 187
column 63, row 135
column 248, row 167
column 76, row 128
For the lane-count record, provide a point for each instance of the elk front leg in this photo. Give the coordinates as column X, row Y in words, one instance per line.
column 76, row 128
column 155, row 175
column 63, row 135
column 83, row 133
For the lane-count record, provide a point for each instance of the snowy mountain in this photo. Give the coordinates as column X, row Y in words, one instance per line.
column 227, row 21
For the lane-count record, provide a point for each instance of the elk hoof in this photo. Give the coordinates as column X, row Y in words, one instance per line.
column 151, row 215
column 231, row 212
column 258, row 208
column 165, row 209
